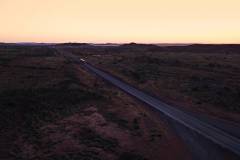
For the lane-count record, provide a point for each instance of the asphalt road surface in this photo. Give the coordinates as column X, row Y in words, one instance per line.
column 210, row 132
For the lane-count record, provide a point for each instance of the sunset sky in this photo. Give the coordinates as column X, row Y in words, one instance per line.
column 120, row 21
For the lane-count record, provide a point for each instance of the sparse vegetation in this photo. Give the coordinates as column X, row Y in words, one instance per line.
column 85, row 155
column 181, row 74
column 131, row 156
column 53, row 109
column 91, row 139
column 39, row 103
column 113, row 117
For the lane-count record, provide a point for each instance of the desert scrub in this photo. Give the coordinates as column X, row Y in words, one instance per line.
column 83, row 155
column 131, row 156
column 214, row 92
column 115, row 118
column 91, row 138
column 36, row 106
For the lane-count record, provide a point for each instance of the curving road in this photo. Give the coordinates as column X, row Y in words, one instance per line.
column 214, row 134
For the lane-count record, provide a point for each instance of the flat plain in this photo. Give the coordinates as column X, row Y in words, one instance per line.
column 53, row 108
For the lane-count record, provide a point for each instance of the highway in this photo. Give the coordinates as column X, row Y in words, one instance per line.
column 210, row 132
column 203, row 128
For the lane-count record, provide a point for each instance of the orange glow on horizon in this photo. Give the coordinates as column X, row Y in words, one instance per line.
column 120, row 21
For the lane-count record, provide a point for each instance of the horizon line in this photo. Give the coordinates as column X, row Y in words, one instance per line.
column 177, row 43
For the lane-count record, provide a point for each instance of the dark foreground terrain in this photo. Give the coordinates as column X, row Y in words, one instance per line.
column 52, row 108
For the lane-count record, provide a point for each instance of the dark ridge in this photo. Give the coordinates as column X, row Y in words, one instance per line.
column 74, row 44
column 133, row 45
column 144, row 48
column 13, row 46
column 207, row 48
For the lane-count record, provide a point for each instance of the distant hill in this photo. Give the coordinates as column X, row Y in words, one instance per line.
column 210, row 48
column 74, row 44
column 135, row 45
